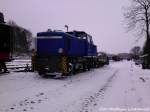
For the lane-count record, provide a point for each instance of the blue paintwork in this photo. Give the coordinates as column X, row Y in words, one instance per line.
column 49, row 46
column 77, row 47
column 71, row 45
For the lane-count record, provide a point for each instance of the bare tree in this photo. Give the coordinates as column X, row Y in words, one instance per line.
column 22, row 38
column 135, row 50
column 138, row 16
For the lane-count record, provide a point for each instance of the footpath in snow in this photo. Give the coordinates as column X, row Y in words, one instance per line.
column 120, row 85
column 129, row 92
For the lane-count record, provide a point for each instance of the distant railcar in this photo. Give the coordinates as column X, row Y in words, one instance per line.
column 102, row 59
column 64, row 53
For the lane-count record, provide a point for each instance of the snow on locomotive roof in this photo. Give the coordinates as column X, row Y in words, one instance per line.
column 53, row 33
column 78, row 33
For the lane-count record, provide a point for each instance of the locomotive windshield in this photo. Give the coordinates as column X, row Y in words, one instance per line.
column 78, row 34
column 82, row 35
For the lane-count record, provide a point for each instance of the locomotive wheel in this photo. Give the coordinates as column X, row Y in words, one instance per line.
column 84, row 67
column 70, row 68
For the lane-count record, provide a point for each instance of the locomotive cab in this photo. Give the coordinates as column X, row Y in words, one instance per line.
column 87, row 45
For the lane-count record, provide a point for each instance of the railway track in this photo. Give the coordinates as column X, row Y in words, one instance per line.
column 19, row 65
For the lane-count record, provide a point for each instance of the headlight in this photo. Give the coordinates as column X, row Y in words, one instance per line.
column 60, row 50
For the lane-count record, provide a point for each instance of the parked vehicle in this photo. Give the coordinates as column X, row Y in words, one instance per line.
column 103, row 59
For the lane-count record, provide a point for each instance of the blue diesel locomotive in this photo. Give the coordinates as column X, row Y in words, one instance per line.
column 64, row 53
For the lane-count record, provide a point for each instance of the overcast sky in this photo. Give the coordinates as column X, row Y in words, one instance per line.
column 103, row 19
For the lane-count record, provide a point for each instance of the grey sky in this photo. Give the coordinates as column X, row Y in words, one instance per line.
column 103, row 19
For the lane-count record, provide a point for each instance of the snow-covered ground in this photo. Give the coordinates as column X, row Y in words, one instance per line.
column 118, row 87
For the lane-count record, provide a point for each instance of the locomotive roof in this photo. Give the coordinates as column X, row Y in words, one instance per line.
column 52, row 33
column 77, row 33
